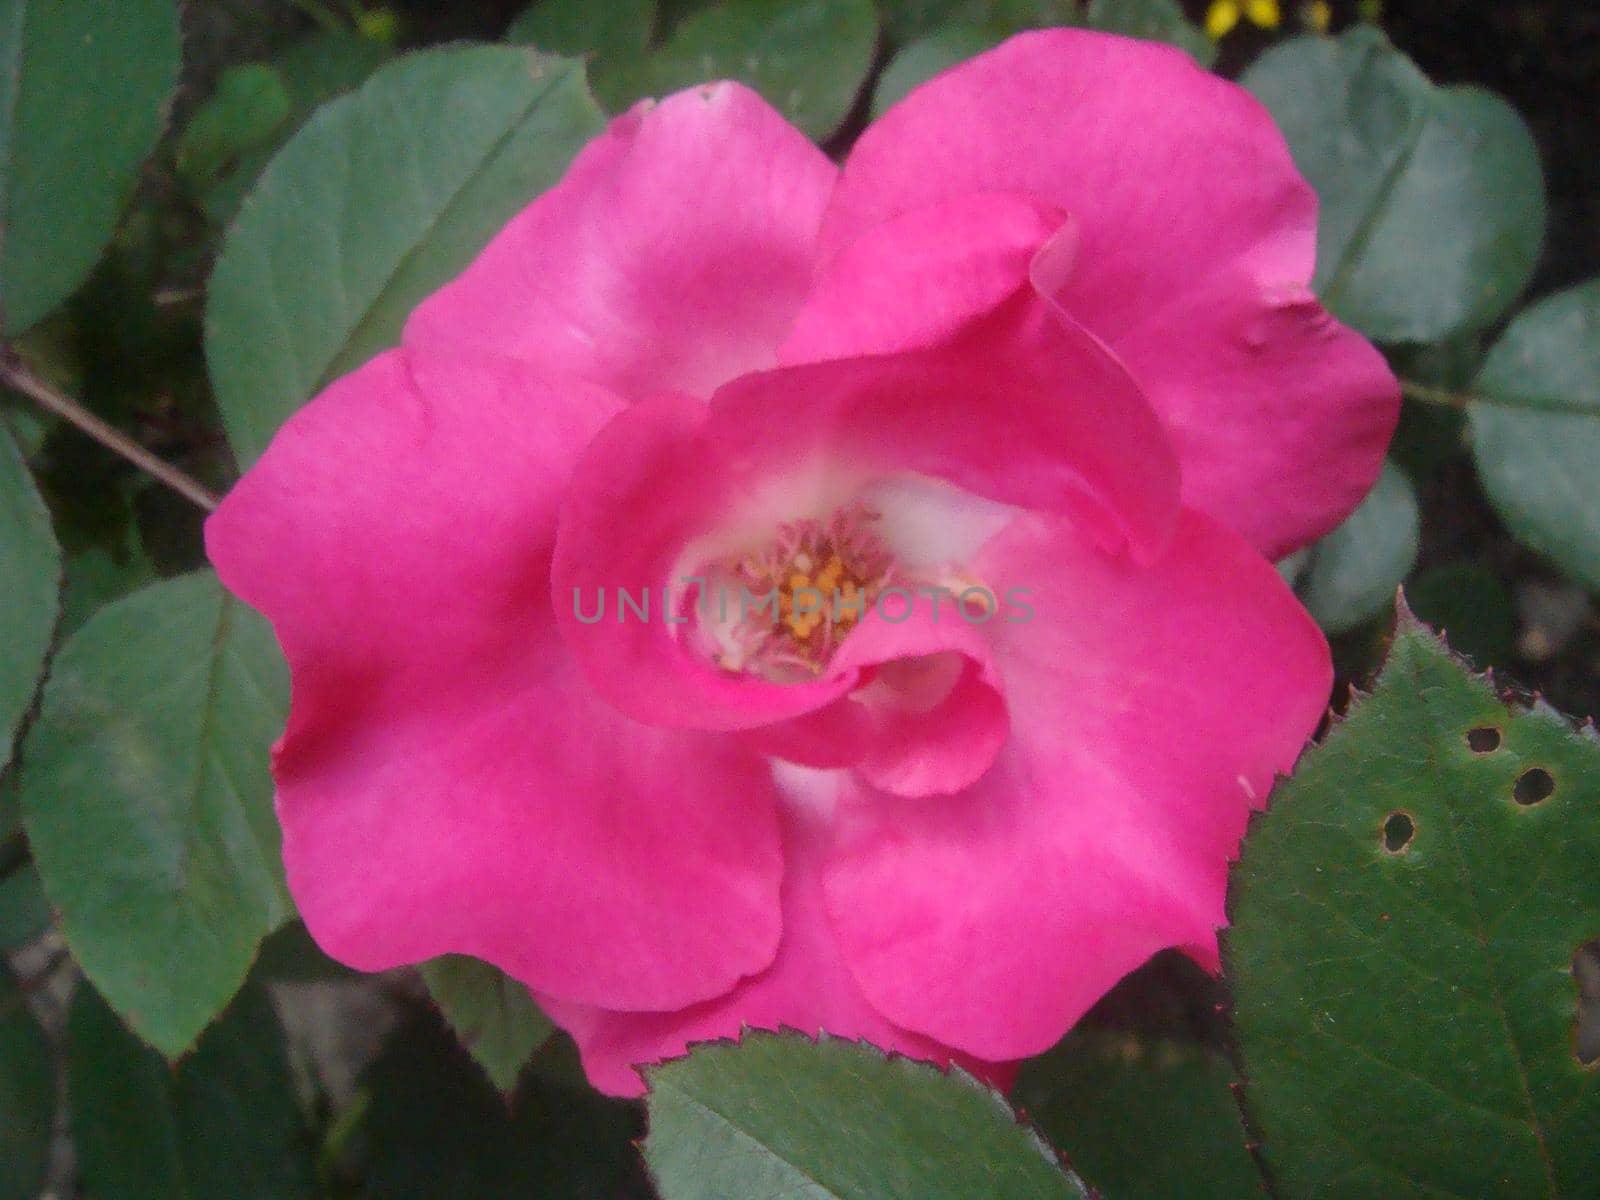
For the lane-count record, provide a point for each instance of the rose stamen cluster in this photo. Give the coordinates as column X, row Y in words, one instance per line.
column 803, row 593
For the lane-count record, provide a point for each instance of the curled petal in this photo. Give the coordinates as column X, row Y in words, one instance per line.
column 931, row 717
column 1169, row 171
column 922, row 276
column 671, row 482
column 1193, row 243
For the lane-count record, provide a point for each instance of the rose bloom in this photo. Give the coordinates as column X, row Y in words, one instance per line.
column 1044, row 342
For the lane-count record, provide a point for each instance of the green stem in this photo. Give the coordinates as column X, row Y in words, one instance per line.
column 1449, row 398
column 1412, row 390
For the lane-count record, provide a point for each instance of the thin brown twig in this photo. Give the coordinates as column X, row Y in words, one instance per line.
column 14, row 373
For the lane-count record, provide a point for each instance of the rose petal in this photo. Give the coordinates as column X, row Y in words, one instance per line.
column 1195, row 240
column 922, row 276
column 672, row 256
column 447, row 781
column 1281, row 415
column 807, row 988
column 1169, row 171
column 930, row 720
column 1082, row 852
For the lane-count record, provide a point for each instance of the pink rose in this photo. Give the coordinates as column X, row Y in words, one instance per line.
column 1045, row 342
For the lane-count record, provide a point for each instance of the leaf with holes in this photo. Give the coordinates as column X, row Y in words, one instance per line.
column 493, row 1015
column 1406, row 916
column 84, row 88
column 1141, row 1118
column 809, row 58
column 1536, row 433
column 223, row 1125
column 1432, row 200
column 30, row 581
column 780, row 1115
column 27, row 1095
column 1353, row 572
column 435, row 153
column 148, row 801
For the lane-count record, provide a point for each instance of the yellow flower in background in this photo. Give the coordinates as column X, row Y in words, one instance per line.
column 1317, row 16
column 1223, row 15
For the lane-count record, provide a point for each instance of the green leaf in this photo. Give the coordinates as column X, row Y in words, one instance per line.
column 1153, row 20
column 612, row 37
column 249, row 105
column 223, row 1125
column 148, row 801
column 1537, row 462
column 927, row 57
column 95, row 577
column 436, row 152
column 1141, row 1119
column 781, row 1116
column 1406, row 916
column 30, row 581
column 27, row 1096
column 1354, row 571
column 493, row 1015
column 313, row 71
column 575, row 28
column 905, row 21
column 1432, row 201
column 809, row 58
column 324, row 65
column 984, row 24
column 85, row 87
column 437, row 1130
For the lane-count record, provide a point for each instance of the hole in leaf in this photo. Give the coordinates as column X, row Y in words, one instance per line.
column 1483, row 740
column 1532, row 786
column 1398, row 830
column 1586, row 974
